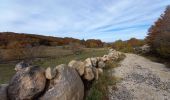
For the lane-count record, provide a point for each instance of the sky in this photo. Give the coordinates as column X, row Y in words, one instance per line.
column 108, row 20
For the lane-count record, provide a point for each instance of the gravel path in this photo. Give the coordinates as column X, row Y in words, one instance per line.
column 142, row 79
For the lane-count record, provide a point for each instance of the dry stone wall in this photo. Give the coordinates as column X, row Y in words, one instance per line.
column 64, row 82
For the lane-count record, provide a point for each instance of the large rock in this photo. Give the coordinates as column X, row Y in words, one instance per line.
column 78, row 65
column 145, row 48
column 105, row 58
column 94, row 62
column 67, row 85
column 50, row 73
column 100, row 71
column 114, row 55
column 71, row 63
column 96, row 73
column 27, row 84
column 3, row 92
column 111, row 50
column 99, row 58
column 101, row 64
column 88, row 74
column 22, row 65
column 88, row 62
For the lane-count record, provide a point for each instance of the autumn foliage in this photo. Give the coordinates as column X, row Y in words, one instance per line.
column 159, row 35
column 128, row 45
column 9, row 40
column 91, row 43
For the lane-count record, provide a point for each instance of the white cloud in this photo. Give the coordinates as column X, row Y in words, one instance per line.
column 101, row 19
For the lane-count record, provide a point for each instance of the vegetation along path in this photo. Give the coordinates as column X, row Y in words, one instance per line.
column 142, row 79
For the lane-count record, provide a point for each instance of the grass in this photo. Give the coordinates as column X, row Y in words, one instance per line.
column 99, row 89
column 67, row 58
column 7, row 69
column 6, row 72
column 34, row 52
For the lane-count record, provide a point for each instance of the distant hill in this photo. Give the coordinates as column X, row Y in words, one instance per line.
column 22, row 40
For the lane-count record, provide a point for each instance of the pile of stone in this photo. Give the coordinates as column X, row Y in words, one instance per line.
column 143, row 49
column 64, row 82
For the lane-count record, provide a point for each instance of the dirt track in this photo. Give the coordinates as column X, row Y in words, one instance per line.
column 142, row 79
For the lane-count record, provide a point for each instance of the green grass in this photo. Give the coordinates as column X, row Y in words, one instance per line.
column 52, row 62
column 99, row 89
column 7, row 70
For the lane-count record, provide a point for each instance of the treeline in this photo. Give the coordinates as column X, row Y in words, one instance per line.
column 128, row 45
column 159, row 35
column 9, row 40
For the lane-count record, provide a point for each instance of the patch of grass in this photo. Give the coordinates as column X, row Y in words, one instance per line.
column 7, row 70
column 54, row 61
column 99, row 89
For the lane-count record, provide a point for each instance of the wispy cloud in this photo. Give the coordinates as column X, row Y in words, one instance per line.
column 108, row 20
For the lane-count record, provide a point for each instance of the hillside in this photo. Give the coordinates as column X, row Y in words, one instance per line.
column 19, row 40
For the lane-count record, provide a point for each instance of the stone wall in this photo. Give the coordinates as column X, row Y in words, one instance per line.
column 64, row 82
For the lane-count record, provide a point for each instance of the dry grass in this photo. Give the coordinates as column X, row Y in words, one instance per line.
column 53, row 57
column 6, row 72
column 35, row 52
column 99, row 89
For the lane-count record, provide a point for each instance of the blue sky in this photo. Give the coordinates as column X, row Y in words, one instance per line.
column 107, row 20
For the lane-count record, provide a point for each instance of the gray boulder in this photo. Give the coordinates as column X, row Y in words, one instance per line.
column 101, row 64
column 67, row 85
column 21, row 65
column 27, row 84
column 3, row 92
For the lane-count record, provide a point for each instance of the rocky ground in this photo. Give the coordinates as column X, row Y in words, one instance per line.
column 142, row 79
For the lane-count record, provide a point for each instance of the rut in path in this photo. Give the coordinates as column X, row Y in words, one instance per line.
column 142, row 79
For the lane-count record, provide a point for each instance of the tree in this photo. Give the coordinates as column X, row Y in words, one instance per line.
column 122, row 46
column 92, row 43
column 159, row 35
column 135, row 42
